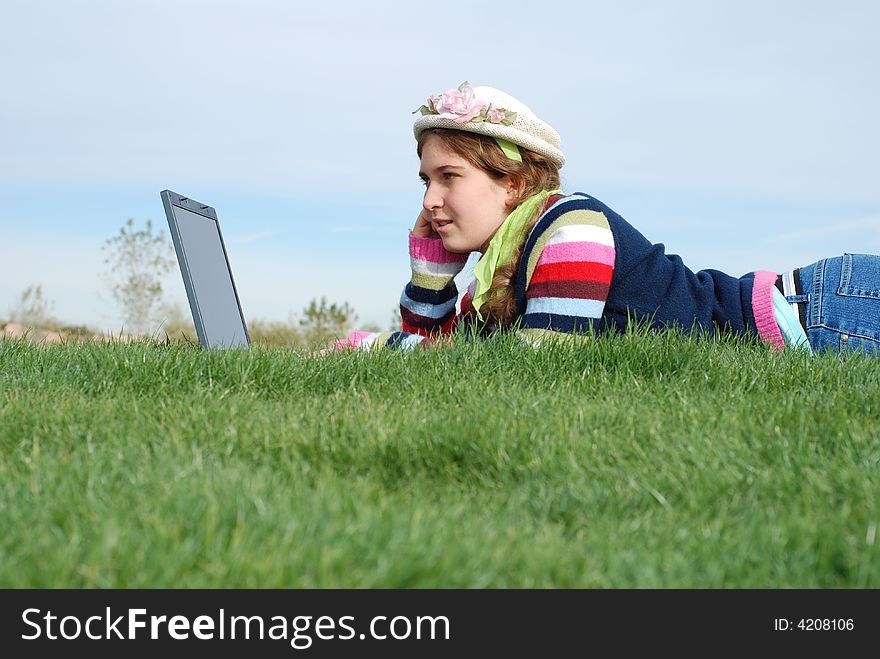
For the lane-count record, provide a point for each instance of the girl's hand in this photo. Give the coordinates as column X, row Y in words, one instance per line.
column 423, row 228
column 334, row 346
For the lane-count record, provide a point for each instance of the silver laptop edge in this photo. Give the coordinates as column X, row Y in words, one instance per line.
column 207, row 275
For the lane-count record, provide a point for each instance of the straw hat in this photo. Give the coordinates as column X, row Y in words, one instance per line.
column 492, row 112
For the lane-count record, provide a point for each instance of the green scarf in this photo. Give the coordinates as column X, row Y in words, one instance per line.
column 505, row 241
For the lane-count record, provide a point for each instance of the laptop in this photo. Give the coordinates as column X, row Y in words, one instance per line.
column 207, row 276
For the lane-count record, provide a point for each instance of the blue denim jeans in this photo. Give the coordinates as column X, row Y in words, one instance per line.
column 843, row 303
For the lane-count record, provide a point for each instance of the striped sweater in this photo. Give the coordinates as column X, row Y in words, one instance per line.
column 568, row 263
column 583, row 268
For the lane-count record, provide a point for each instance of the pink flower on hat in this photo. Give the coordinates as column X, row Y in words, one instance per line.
column 496, row 115
column 460, row 105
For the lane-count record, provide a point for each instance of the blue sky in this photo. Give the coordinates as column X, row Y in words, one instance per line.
column 742, row 135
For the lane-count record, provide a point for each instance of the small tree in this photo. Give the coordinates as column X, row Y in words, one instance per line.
column 322, row 321
column 33, row 309
column 138, row 260
column 396, row 320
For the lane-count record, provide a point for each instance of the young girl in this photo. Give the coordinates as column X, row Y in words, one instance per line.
column 553, row 263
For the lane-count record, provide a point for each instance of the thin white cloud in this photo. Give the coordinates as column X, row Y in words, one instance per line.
column 351, row 228
column 870, row 224
column 250, row 238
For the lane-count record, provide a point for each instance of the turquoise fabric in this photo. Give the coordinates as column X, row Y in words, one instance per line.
column 788, row 322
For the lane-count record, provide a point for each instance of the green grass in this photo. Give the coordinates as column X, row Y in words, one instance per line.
column 628, row 461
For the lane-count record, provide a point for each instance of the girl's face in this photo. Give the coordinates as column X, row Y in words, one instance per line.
column 464, row 204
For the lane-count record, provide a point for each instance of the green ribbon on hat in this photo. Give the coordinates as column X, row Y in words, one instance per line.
column 503, row 244
column 510, row 149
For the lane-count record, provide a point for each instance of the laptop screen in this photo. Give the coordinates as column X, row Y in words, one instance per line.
column 207, row 276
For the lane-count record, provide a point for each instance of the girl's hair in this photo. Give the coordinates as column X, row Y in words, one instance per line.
column 534, row 174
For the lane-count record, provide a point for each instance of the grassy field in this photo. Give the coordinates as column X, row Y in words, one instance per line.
column 628, row 461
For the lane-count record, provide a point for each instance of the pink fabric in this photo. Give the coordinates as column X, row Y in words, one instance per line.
column 762, row 307
column 353, row 340
column 577, row 251
column 431, row 249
